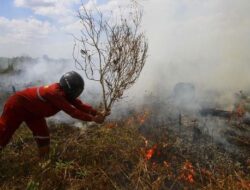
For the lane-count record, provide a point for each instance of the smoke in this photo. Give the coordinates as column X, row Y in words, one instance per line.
column 30, row 72
column 205, row 43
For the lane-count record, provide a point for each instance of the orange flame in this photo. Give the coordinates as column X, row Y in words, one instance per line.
column 151, row 152
column 138, row 118
column 187, row 173
column 111, row 125
column 141, row 118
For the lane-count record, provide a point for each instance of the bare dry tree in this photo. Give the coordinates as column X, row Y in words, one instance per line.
column 111, row 50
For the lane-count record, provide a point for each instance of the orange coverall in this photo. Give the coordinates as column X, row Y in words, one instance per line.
column 33, row 105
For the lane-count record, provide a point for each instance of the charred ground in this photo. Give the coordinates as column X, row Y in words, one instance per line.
column 140, row 151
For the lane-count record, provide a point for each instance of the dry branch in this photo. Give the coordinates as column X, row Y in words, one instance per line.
column 112, row 49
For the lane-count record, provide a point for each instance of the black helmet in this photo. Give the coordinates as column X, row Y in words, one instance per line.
column 72, row 83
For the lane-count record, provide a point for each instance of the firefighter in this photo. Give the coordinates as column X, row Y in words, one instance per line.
column 34, row 104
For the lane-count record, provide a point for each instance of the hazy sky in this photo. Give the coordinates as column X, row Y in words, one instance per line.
column 200, row 41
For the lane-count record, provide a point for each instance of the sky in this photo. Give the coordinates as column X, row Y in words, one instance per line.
column 38, row 27
column 205, row 42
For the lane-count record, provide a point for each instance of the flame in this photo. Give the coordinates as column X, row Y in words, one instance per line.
column 187, row 172
column 138, row 118
column 141, row 118
column 111, row 125
column 151, row 152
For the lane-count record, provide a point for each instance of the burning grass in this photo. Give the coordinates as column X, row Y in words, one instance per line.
column 119, row 155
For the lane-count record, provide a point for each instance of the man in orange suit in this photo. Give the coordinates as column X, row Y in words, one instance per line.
column 33, row 105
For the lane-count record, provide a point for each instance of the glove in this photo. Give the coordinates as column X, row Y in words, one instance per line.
column 99, row 118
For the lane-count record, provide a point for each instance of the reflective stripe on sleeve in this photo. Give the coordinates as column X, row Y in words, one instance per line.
column 39, row 95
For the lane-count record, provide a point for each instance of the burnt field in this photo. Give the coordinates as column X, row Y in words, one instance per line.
column 151, row 147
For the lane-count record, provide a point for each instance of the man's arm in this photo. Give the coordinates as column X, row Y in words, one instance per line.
column 84, row 107
column 61, row 103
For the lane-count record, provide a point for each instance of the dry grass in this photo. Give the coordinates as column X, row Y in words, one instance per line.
column 113, row 156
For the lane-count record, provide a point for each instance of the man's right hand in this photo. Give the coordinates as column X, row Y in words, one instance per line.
column 101, row 115
column 104, row 112
column 99, row 118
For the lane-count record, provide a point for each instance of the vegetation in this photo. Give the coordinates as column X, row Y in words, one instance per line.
column 126, row 154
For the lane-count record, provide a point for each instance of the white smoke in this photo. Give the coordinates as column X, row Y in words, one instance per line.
column 202, row 42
